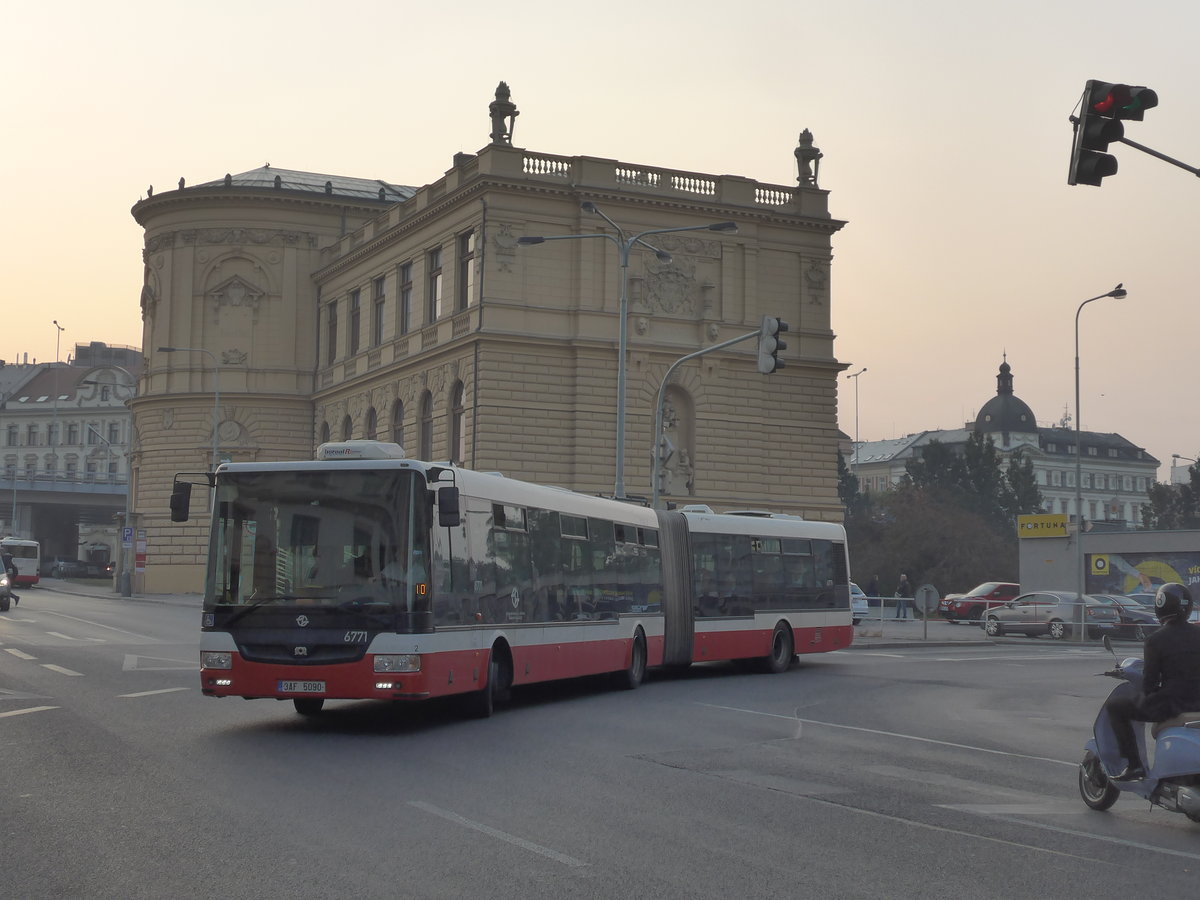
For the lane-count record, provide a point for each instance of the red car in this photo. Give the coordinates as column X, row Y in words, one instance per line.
column 970, row 606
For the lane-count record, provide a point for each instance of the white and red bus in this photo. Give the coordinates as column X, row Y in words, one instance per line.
column 27, row 558
column 368, row 575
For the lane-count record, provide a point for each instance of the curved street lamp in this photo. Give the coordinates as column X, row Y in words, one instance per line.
column 1116, row 293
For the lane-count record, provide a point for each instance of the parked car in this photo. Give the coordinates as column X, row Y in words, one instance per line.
column 1137, row 619
column 858, row 603
column 972, row 605
column 1055, row 613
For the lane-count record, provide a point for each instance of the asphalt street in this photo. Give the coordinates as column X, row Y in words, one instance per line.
column 903, row 767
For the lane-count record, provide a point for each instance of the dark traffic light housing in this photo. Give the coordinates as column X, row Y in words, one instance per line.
column 769, row 344
column 1098, row 125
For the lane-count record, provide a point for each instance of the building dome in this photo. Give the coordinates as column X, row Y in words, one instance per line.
column 1005, row 412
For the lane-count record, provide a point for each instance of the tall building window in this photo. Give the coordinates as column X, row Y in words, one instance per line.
column 372, row 422
column 114, row 433
column 31, row 436
column 347, row 429
column 13, row 436
column 73, row 434
column 324, row 432
column 458, row 445
column 355, row 325
column 434, row 293
column 377, row 308
column 332, row 329
column 426, row 430
column 404, row 297
column 398, row 422
column 466, row 269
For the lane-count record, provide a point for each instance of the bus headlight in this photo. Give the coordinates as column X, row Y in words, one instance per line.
column 216, row 659
column 397, row 662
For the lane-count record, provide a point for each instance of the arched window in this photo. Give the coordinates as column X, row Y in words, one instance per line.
column 324, row 433
column 398, row 422
column 372, row 422
column 347, row 428
column 458, row 445
column 426, row 430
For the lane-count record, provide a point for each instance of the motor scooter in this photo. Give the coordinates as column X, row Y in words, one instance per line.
column 1172, row 778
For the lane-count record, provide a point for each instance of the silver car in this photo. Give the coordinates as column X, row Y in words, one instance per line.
column 859, row 609
column 1055, row 613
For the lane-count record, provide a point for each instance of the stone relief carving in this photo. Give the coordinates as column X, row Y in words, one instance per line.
column 168, row 418
column 233, row 357
column 669, row 285
column 816, row 280
column 505, row 243
column 236, row 291
column 676, row 471
column 246, row 236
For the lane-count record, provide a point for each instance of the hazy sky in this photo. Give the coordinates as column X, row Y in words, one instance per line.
column 943, row 124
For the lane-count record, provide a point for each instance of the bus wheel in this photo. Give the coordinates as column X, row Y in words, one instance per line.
column 630, row 678
column 483, row 702
column 783, row 650
column 308, row 706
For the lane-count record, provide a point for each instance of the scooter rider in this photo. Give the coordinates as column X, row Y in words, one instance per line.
column 1172, row 677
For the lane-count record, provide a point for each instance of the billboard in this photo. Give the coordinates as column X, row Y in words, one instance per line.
column 1140, row 573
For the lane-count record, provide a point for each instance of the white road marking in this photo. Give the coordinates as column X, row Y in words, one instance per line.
column 21, row 712
column 131, row 664
column 907, row 737
column 60, row 669
column 500, row 835
column 19, row 654
column 152, row 693
column 97, row 625
column 67, row 637
column 1153, row 848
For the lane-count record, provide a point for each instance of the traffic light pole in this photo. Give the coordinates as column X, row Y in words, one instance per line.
column 1136, row 146
column 655, row 457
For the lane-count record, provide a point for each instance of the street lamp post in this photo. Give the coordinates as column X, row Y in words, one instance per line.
column 1080, row 577
column 624, row 244
column 1174, row 458
column 855, row 377
column 216, row 419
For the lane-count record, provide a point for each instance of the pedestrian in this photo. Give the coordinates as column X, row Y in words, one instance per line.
column 873, row 586
column 903, row 592
column 11, row 569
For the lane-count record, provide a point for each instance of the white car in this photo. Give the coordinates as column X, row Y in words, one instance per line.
column 858, row 603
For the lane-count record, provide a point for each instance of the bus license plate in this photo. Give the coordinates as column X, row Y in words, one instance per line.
column 301, row 687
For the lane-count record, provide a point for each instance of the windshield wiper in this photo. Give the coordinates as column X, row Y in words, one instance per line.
column 261, row 601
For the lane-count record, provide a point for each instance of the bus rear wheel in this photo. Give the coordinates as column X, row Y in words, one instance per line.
column 483, row 701
column 783, row 650
column 631, row 677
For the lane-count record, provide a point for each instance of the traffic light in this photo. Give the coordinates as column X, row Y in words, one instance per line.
column 769, row 344
column 1098, row 125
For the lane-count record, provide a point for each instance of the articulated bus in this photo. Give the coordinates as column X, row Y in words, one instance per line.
column 27, row 558
column 368, row 575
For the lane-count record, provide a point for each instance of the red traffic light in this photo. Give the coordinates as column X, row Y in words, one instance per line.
column 1119, row 101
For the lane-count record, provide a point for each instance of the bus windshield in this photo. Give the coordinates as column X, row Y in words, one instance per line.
column 319, row 538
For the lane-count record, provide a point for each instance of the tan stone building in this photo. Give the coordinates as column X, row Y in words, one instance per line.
column 334, row 308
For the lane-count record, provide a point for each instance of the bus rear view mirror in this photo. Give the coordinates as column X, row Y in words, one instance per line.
column 449, row 515
column 181, row 501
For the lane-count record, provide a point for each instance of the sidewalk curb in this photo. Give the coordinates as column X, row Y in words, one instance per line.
column 104, row 593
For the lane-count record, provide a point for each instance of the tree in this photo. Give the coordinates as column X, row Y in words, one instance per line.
column 852, row 499
column 931, row 538
column 1174, row 506
column 1023, row 496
